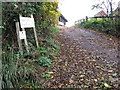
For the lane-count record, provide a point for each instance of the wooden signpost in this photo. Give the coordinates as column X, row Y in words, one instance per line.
column 18, row 36
column 25, row 22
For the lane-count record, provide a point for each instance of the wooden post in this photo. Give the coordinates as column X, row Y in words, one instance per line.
column 25, row 40
column 36, row 39
column 26, row 43
column 86, row 18
column 25, row 24
column 19, row 41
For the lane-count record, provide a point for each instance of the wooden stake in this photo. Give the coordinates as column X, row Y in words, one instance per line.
column 26, row 43
column 36, row 39
column 19, row 41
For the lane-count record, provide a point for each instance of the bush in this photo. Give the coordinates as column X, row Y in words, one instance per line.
column 45, row 14
column 47, row 53
column 53, row 30
column 21, row 70
column 107, row 26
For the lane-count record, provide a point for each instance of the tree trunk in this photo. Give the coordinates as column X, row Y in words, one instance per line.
column 111, row 8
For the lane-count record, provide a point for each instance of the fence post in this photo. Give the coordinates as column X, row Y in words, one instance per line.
column 86, row 18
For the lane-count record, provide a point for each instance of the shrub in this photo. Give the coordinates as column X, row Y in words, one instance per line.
column 107, row 26
column 20, row 70
column 45, row 14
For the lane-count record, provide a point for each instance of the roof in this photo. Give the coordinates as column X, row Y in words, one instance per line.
column 64, row 18
column 101, row 13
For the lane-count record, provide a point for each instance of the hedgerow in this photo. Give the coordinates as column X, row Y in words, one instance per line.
column 108, row 26
column 21, row 71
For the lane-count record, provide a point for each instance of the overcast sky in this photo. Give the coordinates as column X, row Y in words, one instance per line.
column 74, row 10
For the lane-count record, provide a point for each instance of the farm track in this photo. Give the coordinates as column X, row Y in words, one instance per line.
column 87, row 59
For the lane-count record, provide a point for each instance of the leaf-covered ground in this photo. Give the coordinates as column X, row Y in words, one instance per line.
column 87, row 59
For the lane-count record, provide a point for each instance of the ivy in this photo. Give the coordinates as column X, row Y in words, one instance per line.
column 21, row 70
column 45, row 15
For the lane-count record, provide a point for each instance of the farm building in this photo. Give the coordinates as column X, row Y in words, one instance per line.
column 101, row 13
column 62, row 20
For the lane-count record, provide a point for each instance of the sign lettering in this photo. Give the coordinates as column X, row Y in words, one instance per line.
column 27, row 22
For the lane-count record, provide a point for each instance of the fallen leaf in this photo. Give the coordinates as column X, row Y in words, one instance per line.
column 110, row 71
column 113, row 79
column 50, row 72
column 115, row 74
column 106, row 85
column 101, row 72
column 52, row 77
column 110, row 39
column 95, row 80
column 70, row 81
column 82, row 75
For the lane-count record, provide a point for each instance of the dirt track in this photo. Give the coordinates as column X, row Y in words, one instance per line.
column 87, row 59
column 94, row 42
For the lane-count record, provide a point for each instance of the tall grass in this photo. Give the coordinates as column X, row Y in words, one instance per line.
column 15, row 70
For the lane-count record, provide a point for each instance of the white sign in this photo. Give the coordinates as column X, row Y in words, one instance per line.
column 22, row 34
column 27, row 22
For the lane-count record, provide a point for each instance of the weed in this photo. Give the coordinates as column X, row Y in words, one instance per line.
column 47, row 76
column 44, row 61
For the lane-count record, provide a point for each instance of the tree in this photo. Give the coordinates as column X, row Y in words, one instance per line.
column 106, row 5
